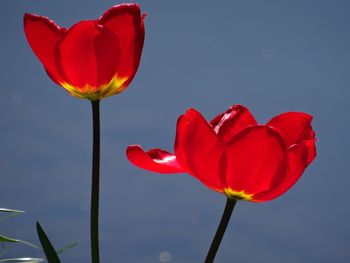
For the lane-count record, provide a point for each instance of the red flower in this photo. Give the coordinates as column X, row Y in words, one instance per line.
column 234, row 155
column 93, row 59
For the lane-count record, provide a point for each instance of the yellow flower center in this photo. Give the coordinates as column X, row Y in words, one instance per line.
column 238, row 195
column 115, row 86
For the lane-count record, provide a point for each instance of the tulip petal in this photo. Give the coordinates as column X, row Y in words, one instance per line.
column 43, row 35
column 299, row 156
column 294, row 127
column 199, row 150
column 255, row 157
column 126, row 22
column 88, row 55
column 229, row 123
column 155, row 160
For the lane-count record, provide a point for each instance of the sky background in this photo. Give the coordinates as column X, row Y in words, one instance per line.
column 271, row 56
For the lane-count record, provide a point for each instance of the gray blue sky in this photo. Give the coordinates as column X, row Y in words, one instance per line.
column 272, row 56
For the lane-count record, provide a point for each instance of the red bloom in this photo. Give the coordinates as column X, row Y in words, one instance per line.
column 93, row 59
column 236, row 156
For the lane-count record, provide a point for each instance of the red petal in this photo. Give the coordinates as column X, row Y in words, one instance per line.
column 294, row 127
column 155, row 160
column 43, row 35
column 89, row 54
column 254, row 158
column 299, row 157
column 198, row 149
column 126, row 22
column 229, row 123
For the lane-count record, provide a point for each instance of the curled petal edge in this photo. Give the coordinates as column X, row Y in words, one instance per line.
column 233, row 120
column 154, row 160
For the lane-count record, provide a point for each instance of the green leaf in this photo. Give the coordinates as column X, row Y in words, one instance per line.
column 67, row 247
column 49, row 250
column 9, row 213
column 27, row 260
column 6, row 210
column 7, row 239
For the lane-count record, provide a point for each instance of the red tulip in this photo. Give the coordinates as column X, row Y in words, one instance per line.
column 93, row 59
column 234, row 155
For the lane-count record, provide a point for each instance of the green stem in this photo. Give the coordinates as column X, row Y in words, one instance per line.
column 230, row 204
column 95, row 182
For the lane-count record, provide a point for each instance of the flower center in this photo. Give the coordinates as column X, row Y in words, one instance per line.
column 238, row 195
column 115, row 86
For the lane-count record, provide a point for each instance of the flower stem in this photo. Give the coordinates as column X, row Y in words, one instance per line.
column 230, row 204
column 95, row 182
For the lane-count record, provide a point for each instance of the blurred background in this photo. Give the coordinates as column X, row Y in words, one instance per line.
column 271, row 56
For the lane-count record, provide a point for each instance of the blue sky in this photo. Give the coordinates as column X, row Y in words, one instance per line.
column 272, row 56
